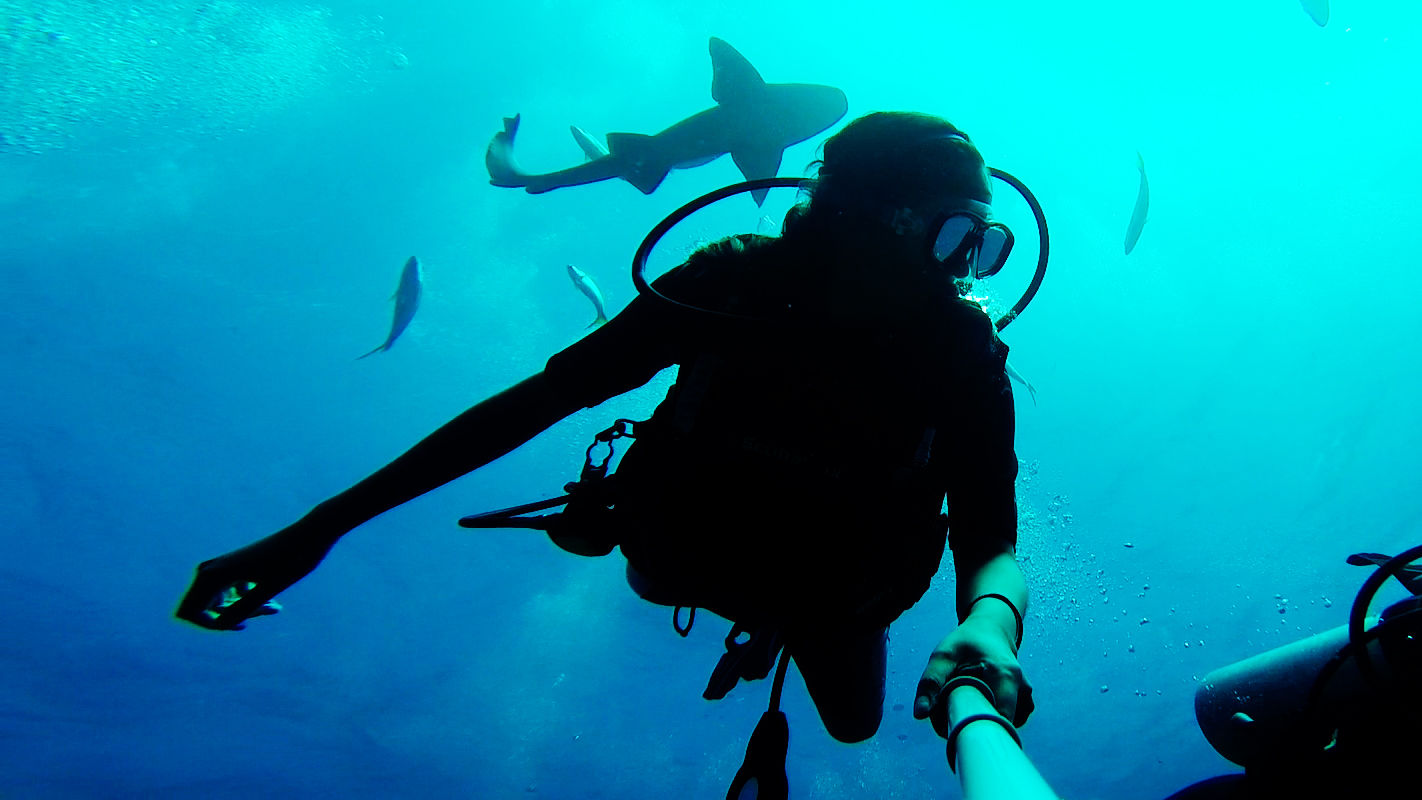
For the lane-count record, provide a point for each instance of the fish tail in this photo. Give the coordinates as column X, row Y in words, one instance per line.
column 373, row 352
column 601, row 318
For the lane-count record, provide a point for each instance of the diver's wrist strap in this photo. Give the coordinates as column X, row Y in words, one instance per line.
column 1017, row 615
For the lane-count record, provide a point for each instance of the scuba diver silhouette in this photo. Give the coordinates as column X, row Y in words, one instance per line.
column 834, row 390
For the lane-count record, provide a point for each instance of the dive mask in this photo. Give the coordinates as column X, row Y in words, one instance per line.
column 969, row 246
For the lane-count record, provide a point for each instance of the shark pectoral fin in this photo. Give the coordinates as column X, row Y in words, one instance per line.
column 640, row 166
column 590, row 146
column 499, row 160
column 755, row 164
column 732, row 76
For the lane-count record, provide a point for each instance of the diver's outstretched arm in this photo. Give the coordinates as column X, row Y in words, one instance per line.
column 234, row 587
column 476, row 437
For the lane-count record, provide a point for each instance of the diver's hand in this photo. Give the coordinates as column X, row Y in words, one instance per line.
column 240, row 585
column 975, row 641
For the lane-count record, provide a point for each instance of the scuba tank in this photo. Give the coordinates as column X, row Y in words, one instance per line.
column 1334, row 706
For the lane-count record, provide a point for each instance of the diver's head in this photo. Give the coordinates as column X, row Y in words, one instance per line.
column 900, row 158
column 909, row 187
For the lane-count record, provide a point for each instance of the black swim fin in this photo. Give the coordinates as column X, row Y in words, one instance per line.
column 1410, row 575
column 762, row 775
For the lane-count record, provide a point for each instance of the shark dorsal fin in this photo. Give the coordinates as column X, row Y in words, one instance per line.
column 732, row 76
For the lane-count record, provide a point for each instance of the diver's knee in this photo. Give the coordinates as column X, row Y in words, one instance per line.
column 853, row 731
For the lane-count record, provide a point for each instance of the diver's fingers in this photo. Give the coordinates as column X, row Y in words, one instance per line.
column 930, row 686
column 1025, row 706
column 1005, row 698
column 204, row 594
column 927, row 697
column 929, row 703
column 268, row 608
column 253, row 602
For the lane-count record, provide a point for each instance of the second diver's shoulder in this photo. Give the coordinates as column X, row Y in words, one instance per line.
column 731, row 253
column 724, row 268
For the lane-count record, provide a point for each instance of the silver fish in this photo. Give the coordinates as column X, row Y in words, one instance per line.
column 407, row 301
column 588, row 287
column 1138, row 216
column 1017, row 376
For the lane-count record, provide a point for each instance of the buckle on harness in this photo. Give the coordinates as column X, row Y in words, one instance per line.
column 593, row 469
column 584, row 526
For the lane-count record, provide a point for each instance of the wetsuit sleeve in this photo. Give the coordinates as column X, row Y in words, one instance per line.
column 982, row 500
column 621, row 355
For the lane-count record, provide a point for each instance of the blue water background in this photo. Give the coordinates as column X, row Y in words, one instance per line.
column 203, row 210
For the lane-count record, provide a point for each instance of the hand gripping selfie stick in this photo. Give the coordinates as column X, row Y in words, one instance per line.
column 983, row 748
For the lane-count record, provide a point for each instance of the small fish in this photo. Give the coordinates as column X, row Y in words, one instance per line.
column 588, row 287
column 1017, row 376
column 1317, row 9
column 1138, row 216
column 407, row 301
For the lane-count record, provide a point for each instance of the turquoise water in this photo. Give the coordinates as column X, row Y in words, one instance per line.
column 203, row 210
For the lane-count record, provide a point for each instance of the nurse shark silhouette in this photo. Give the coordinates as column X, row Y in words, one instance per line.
column 752, row 120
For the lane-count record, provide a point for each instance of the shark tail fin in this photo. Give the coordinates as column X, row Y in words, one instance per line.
column 601, row 318
column 499, row 160
column 373, row 352
column 643, row 168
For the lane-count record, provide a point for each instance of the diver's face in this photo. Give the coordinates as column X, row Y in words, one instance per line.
column 955, row 233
